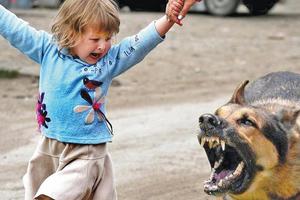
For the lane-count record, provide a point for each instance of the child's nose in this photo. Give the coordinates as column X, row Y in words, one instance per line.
column 101, row 46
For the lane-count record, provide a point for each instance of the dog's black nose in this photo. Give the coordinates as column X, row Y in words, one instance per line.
column 208, row 121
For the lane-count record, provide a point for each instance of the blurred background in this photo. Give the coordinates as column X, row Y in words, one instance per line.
column 154, row 107
column 214, row 7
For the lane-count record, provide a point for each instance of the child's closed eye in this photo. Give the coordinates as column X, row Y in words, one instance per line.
column 98, row 39
column 95, row 39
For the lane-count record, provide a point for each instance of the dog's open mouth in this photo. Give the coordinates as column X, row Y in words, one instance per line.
column 229, row 170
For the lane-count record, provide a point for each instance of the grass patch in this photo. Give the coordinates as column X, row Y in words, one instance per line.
column 8, row 74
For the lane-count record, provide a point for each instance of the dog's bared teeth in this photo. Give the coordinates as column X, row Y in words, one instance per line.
column 211, row 176
column 210, row 188
column 203, row 141
column 223, row 145
column 230, row 177
column 217, row 140
column 220, row 184
column 211, row 142
column 239, row 169
column 218, row 163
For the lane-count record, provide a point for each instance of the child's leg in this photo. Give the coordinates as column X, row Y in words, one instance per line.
column 81, row 169
column 39, row 168
column 106, row 188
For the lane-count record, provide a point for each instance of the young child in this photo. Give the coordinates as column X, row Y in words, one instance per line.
column 78, row 63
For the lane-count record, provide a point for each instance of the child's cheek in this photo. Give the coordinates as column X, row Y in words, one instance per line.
column 108, row 46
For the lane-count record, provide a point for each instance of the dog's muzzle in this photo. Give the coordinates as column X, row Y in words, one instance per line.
column 208, row 122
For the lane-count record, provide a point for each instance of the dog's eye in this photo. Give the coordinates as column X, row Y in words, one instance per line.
column 246, row 122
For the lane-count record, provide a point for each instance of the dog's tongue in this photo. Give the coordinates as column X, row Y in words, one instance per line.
column 222, row 174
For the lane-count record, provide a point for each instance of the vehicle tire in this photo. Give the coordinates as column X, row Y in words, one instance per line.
column 259, row 7
column 153, row 5
column 221, row 7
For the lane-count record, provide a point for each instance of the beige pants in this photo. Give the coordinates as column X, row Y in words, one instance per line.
column 69, row 172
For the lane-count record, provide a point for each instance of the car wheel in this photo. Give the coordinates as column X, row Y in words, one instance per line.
column 260, row 7
column 153, row 5
column 221, row 7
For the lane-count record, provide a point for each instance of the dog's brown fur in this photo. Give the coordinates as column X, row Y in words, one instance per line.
column 271, row 129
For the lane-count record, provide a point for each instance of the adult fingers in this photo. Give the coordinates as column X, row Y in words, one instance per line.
column 187, row 5
column 174, row 7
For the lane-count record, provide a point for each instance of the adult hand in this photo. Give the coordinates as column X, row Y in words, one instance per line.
column 186, row 7
column 173, row 10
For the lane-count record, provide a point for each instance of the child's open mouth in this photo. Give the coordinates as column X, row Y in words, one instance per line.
column 95, row 55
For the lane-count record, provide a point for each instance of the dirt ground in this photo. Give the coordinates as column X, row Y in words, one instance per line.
column 155, row 106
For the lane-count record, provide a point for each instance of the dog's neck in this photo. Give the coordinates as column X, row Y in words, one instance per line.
column 296, row 197
column 286, row 178
column 262, row 197
column 282, row 183
column 285, row 182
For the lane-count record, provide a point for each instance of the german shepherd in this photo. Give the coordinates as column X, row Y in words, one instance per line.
column 253, row 142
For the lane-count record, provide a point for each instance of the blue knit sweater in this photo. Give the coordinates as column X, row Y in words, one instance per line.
column 71, row 105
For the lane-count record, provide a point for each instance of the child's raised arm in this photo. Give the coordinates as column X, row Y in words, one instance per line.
column 22, row 36
column 163, row 25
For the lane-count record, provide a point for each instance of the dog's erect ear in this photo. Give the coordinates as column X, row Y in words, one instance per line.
column 291, row 121
column 238, row 95
column 289, row 117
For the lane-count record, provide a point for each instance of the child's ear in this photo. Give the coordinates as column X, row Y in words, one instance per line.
column 114, row 39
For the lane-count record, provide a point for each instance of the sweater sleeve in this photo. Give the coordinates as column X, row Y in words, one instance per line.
column 22, row 36
column 132, row 50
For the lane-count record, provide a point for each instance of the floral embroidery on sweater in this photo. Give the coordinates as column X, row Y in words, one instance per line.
column 94, row 105
column 41, row 112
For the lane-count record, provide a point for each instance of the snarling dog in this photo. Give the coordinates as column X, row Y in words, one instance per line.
column 253, row 142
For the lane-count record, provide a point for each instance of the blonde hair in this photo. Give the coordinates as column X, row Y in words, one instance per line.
column 75, row 16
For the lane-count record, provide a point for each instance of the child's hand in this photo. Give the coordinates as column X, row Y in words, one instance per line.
column 173, row 10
